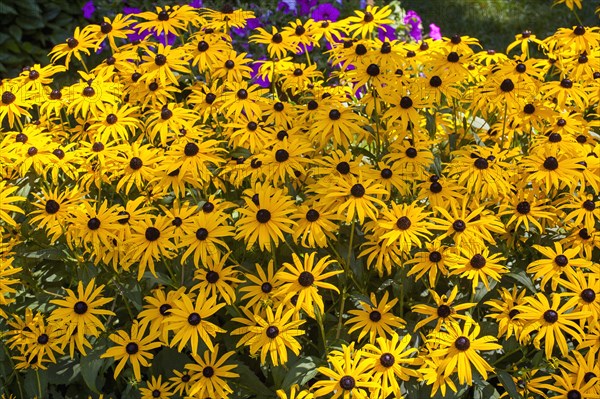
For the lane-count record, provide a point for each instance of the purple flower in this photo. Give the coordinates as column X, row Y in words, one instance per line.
column 251, row 24
column 161, row 38
column 306, row 5
column 413, row 20
column 196, row 3
column 434, row 32
column 88, row 9
column 303, row 47
column 325, row 12
column 131, row 10
column 386, row 31
column 265, row 83
column 284, row 7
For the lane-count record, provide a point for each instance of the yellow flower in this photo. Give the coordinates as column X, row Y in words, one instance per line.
column 208, row 376
column 304, row 278
column 348, row 374
column 550, row 322
column 376, row 319
column 271, row 335
column 188, row 320
column 458, row 349
column 134, row 347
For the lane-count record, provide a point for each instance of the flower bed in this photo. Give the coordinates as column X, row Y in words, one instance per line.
column 353, row 215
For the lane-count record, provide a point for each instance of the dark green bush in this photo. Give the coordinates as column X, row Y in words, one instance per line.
column 31, row 28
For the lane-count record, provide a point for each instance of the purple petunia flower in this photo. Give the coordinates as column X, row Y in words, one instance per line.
column 88, row 9
column 413, row 20
column 434, row 32
column 386, row 32
column 325, row 12
column 251, row 24
column 303, row 47
column 265, row 83
column 131, row 10
column 284, row 7
column 196, row 3
column 306, row 5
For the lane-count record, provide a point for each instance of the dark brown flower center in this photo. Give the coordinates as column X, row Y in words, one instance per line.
column 306, row 279
column 462, row 343
column 263, row 216
column 194, row 319
column 80, row 307
column 551, row 316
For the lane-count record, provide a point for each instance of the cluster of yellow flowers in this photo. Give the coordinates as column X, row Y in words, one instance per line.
column 394, row 217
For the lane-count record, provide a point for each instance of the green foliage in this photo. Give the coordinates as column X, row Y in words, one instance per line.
column 31, row 28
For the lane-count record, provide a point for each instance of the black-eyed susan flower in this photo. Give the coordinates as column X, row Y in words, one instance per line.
column 358, row 197
column 444, row 311
column 391, row 358
column 527, row 209
column 375, row 318
column 278, row 43
column 42, row 341
column 583, row 293
column 504, row 311
column 158, row 308
column 272, row 334
column 316, row 225
column 167, row 19
column 14, row 102
column 550, row 322
column 210, row 373
column 189, row 323
column 347, row 374
column 217, row 279
column 156, row 388
column 262, row 288
column 474, row 262
column 431, row 262
column 78, row 313
column 180, row 382
column 233, row 67
column 204, row 238
column 266, row 220
column 7, row 202
column 134, row 347
column 138, row 165
column 458, row 350
column 295, row 393
column 365, row 22
column 304, row 278
column 467, row 226
column 558, row 261
column 94, row 226
column 151, row 240
column 6, row 282
column 82, row 42
column 404, row 225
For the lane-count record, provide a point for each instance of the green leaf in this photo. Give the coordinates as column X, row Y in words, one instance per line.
column 6, row 9
column 249, row 380
column 301, row 371
column 488, row 392
column 15, row 32
column 167, row 360
column 522, row 278
column 90, row 366
column 508, row 384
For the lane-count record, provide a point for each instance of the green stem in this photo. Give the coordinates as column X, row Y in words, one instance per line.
column 15, row 373
column 37, row 376
column 504, row 124
column 342, row 304
column 319, row 318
